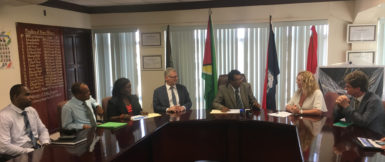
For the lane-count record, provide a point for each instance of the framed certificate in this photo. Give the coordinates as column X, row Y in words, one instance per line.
column 358, row 33
column 151, row 39
column 152, row 62
column 360, row 57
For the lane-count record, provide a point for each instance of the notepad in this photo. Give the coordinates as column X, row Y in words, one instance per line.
column 342, row 124
column 112, row 125
column 369, row 143
column 150, row 115
column 69, row 142
column 280, row 114
column 232, row 111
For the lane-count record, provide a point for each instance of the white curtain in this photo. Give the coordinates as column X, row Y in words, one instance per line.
column 380, row 58
column 116, row 56
column 244, row 47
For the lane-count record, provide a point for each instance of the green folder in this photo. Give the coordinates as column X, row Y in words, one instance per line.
column 342, row 124
column 112, row 125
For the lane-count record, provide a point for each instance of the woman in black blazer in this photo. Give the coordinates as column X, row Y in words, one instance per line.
column 123, row 105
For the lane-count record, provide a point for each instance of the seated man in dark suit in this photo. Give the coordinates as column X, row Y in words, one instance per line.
column 235, row 94
column 364, row 108
column 171, row 97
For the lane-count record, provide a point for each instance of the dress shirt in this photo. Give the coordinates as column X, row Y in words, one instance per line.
column 239, row 93
column 74, row 113
column 359, row 99
column 168, row 87
column 13, row 136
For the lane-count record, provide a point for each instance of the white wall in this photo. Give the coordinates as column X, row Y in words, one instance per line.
column 9, row 15
column 338, row 15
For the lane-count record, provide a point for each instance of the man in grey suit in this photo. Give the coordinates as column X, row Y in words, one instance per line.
column 235, row 94
column 171, row 97
column 364, row 108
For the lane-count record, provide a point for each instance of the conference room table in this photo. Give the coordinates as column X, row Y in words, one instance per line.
column 198, row 135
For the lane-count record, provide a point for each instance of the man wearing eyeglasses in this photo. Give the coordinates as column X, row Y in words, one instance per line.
column 171, row 97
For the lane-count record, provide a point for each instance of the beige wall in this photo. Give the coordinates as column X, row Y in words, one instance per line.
column 338, row 15
column 9, row 15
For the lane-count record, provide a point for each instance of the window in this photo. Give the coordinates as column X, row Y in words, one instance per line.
column 116, row 56
column 244, row 47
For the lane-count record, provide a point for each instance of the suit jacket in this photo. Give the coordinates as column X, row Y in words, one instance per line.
column 116, row 106
column 161, row 101
column 226, row 96
column 370, row 113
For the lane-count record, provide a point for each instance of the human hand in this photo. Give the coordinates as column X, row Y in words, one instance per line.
column 256, row 104
column 225, row 109
column 99, row 110
column 343, row 101
column 144, row 113
column 86, row 126
column 124, row 116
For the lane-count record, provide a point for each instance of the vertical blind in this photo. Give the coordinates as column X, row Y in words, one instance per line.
column 244, row 47
column 116, row 56
column 380, row 59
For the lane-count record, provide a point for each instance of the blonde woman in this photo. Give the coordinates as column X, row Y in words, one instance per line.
column 308, row 99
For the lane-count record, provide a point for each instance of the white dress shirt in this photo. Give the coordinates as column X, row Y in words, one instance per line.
column 168, row 87
column 13, row 135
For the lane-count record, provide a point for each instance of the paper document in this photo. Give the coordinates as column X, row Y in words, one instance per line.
column 112, row 125
column 280, row 114
column 232, row 111
column 342, row 124
column 150, row 115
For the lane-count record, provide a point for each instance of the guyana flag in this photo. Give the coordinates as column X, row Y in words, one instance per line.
column 209, row 70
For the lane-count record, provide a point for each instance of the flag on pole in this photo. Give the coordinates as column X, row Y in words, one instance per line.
column 169, row 62
column 271, row 73
column 312, row 52
column 209, row 70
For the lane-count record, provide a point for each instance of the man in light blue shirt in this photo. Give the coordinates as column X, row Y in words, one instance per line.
column 78, row 113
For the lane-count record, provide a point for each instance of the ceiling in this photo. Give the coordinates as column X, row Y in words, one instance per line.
column 118, row 6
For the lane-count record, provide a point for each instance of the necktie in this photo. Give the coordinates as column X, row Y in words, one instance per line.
column 173, row 95
column 29, row 130
column 356, row 104
column 238, row 99
column 90, row 115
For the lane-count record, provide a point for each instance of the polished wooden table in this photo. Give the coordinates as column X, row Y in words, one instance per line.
column 197, row 135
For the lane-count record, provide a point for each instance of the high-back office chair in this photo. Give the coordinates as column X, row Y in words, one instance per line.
column 223, row 79
column 383, row 104
column 104, row 106
column 59, row 108
column 330, row 100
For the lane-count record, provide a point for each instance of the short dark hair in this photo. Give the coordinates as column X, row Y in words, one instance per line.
column 15, row 90
column 75, row 89
column 232, row 73
column 118, row 85
column 356, row 79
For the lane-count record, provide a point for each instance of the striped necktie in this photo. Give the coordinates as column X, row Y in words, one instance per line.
column 29, row 130
column 90, row 115
column 238, row 99
column 173, row 95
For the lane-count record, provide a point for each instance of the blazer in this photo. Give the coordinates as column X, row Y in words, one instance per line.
column 116, row 106
column 226, row 96
column 161, row 102
column 370, row 113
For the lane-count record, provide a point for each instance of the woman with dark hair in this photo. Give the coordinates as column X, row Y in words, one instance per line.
column 123, row 105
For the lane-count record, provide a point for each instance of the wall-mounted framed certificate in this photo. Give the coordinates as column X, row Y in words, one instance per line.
column 360, row 33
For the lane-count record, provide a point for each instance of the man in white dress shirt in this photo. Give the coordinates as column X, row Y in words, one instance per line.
column 20, row 125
